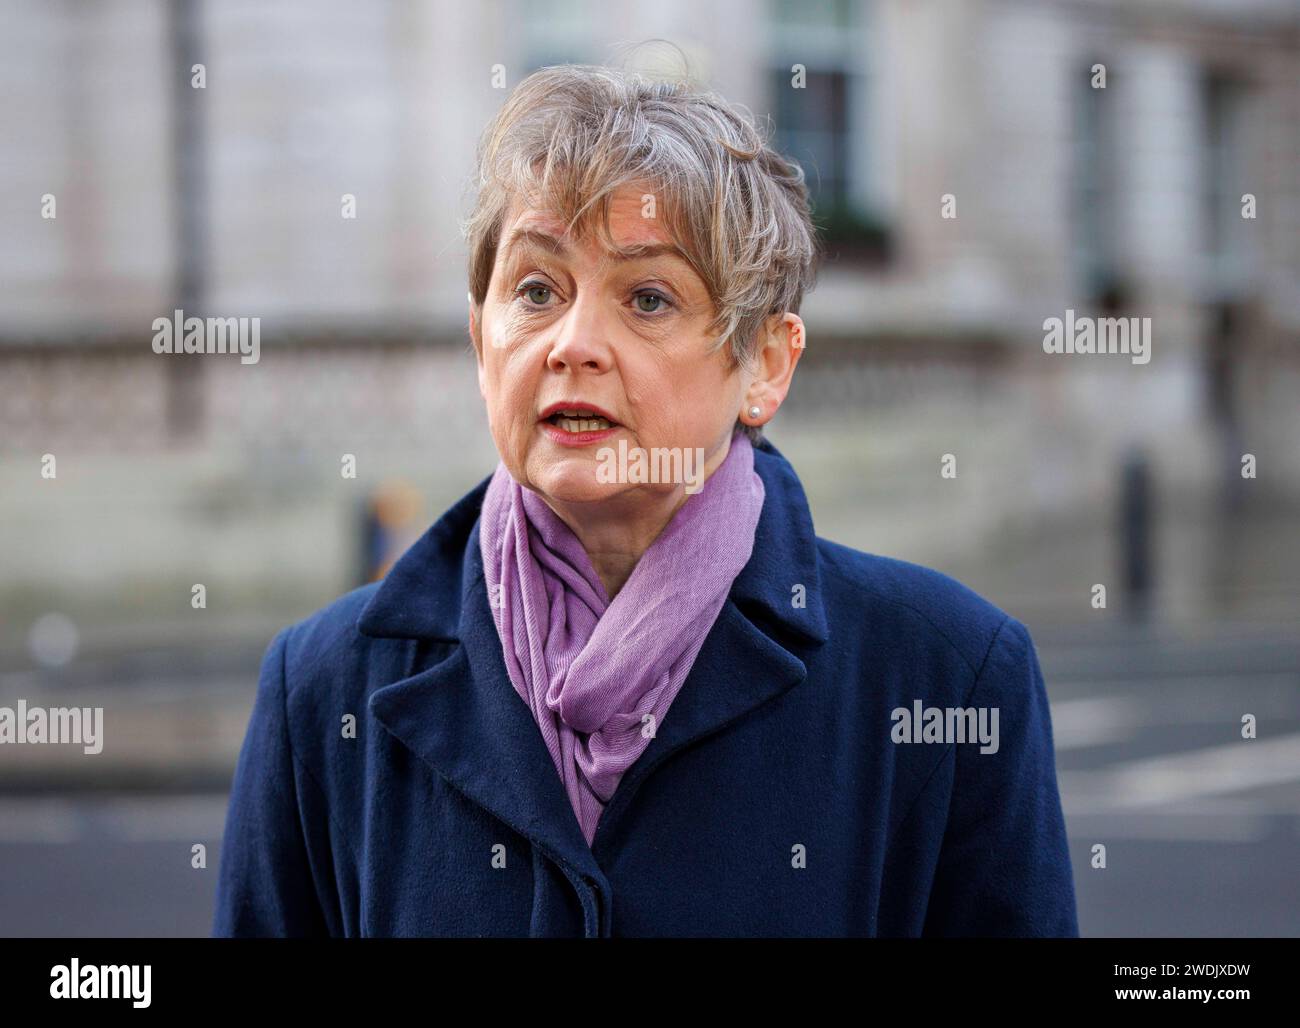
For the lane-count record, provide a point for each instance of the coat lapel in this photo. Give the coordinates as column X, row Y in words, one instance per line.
column 738, row 669
column 462, row 716
column 465, row 720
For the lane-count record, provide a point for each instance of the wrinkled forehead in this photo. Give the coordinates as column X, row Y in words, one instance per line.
column 630, row 221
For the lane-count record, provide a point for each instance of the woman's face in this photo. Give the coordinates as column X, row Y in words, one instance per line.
column 573, row 324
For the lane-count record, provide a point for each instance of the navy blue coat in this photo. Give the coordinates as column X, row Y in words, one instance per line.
column 773, row 800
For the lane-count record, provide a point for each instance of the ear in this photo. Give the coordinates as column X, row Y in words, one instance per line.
column 784, row 340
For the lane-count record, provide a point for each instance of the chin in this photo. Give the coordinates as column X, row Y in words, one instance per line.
column 573, row 480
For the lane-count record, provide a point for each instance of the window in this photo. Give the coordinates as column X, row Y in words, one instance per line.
column 822, row 120
column 1093, row 192
column 812, row 126
column 1227, row 233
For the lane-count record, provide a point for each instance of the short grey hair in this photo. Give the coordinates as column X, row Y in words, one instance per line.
column 568, row 136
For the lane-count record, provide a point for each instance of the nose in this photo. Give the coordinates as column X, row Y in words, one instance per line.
column 581, row 339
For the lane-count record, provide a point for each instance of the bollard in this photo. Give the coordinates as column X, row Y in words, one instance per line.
column 1136, row 523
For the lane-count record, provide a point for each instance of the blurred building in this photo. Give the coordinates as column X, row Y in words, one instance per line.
column 226, row 201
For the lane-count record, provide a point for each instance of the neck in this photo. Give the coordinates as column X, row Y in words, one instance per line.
column 615, row 532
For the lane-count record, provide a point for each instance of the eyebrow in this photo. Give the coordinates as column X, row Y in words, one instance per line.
column 635, row 251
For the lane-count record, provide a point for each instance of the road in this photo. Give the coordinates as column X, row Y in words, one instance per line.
column 1201, row 827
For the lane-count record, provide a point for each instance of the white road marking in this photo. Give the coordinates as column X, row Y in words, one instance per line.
column 1213, row 771
column 1077, row 724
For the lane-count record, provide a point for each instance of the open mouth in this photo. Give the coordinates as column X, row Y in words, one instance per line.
column 578, row 420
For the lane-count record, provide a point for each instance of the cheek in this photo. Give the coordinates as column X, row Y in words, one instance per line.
column 678, row 401
column 505, row 367
column 510, row 328
column 705, row 392
column 497, row 390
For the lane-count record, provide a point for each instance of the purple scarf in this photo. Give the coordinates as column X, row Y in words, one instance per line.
column 591, row 670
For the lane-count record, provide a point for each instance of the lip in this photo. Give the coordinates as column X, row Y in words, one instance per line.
column 578, row 405
column 563, row 438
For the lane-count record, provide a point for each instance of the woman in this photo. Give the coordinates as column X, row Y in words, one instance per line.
column 621, row 688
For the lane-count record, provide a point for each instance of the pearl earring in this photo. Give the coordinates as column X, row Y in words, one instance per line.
column 755, row 411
